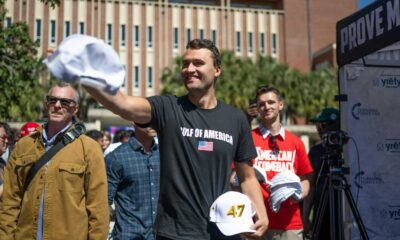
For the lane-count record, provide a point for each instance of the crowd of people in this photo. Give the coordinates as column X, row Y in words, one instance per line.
column 163, row 177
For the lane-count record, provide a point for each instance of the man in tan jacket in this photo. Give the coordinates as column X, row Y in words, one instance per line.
column 67, row 198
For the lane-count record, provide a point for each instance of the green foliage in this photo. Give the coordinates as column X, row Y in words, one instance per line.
column 51, row 3
column 19, row 73
column 305, row 94
column 172, row 79
column 20, row 70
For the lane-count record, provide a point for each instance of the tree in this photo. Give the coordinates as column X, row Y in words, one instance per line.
column 19, row 72
column 305, row 94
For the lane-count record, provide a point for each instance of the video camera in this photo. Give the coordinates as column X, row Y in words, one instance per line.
column 333, row 142
column 335, row 139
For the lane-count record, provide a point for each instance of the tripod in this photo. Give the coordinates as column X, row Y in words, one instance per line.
column 334, row 182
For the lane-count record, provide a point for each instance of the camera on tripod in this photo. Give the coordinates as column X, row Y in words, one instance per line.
column 333, row 142
column 331, row 182
column 335, row 139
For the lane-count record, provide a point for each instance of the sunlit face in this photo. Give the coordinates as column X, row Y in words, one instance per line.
column 198, row 70
column 106, row 142
column 269, row 107
column 3, row 141
column 61, row 105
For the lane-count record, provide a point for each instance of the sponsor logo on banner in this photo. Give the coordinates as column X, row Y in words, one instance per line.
column 387, row 81
column 357, row 111
column 362, row 179
column 389, row 145
column 391, row 212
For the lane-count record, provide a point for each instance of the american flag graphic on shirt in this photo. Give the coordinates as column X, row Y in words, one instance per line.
column 205, row 146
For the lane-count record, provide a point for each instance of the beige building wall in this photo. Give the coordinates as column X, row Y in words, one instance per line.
column 149, row 34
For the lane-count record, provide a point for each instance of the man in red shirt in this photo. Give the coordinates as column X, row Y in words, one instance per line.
column 280, row 150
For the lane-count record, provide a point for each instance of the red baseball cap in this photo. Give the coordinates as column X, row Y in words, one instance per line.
column 28, row 128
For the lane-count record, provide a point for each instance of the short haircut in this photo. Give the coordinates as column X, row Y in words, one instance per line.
column 9, row 132
column 266, row 89
column 205, row 43
column 63, row 85
column 94, row 134
column 121, row 134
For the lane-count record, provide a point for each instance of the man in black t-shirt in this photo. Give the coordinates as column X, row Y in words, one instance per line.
column 199, row 138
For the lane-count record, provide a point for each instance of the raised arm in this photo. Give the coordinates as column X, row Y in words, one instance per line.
column 137, row 109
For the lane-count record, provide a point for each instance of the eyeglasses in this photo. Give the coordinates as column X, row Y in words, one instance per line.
column 65, row 103
column 4, row 137
column 273, row 145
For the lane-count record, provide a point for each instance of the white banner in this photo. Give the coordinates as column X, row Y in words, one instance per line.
column 371, row 117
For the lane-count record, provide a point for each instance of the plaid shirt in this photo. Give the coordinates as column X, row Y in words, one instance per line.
column 133, row 185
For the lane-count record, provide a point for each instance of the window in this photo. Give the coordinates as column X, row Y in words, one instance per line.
column 53, row 31
column 274, row 43
column 250, row 42
column 214, row 36
column 137, row 76
column 38, row 29
column 201, row 34
column 8, row 22
column 109, row 33
column 176, row 38
column 188, row 35
column 81, row 27
column 136, row 36
column 262, row 43
column 149, row 77
column 123, row 34
column 237, row 41
column 67, row 29
column 150, row 36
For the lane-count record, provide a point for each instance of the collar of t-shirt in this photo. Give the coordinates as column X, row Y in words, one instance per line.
column 49, row 142
column 265, row 132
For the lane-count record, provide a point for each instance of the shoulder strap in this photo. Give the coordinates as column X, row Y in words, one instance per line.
column 67, row 138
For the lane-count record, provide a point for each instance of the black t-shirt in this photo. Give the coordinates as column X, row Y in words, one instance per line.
column 197, row 147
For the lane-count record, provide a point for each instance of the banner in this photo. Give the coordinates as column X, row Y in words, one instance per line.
column 368, row 30
column 371, row 117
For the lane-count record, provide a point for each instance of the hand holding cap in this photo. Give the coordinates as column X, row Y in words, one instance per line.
column 89, row 61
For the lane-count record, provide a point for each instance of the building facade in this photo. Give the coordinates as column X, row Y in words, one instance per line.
column 149, row 34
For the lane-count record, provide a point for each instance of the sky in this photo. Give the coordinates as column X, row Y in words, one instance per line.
column 363, row 3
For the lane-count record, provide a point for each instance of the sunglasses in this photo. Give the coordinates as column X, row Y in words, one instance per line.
column 65, row 103
column 273, row 145
column 4, row 137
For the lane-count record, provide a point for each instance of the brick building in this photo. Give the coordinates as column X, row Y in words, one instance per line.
column 148, row 34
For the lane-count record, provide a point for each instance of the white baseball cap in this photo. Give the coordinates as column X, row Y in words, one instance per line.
column 88, row 60
column 233, row 213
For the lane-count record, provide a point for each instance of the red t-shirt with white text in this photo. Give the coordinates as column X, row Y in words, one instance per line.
column 292, row 156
